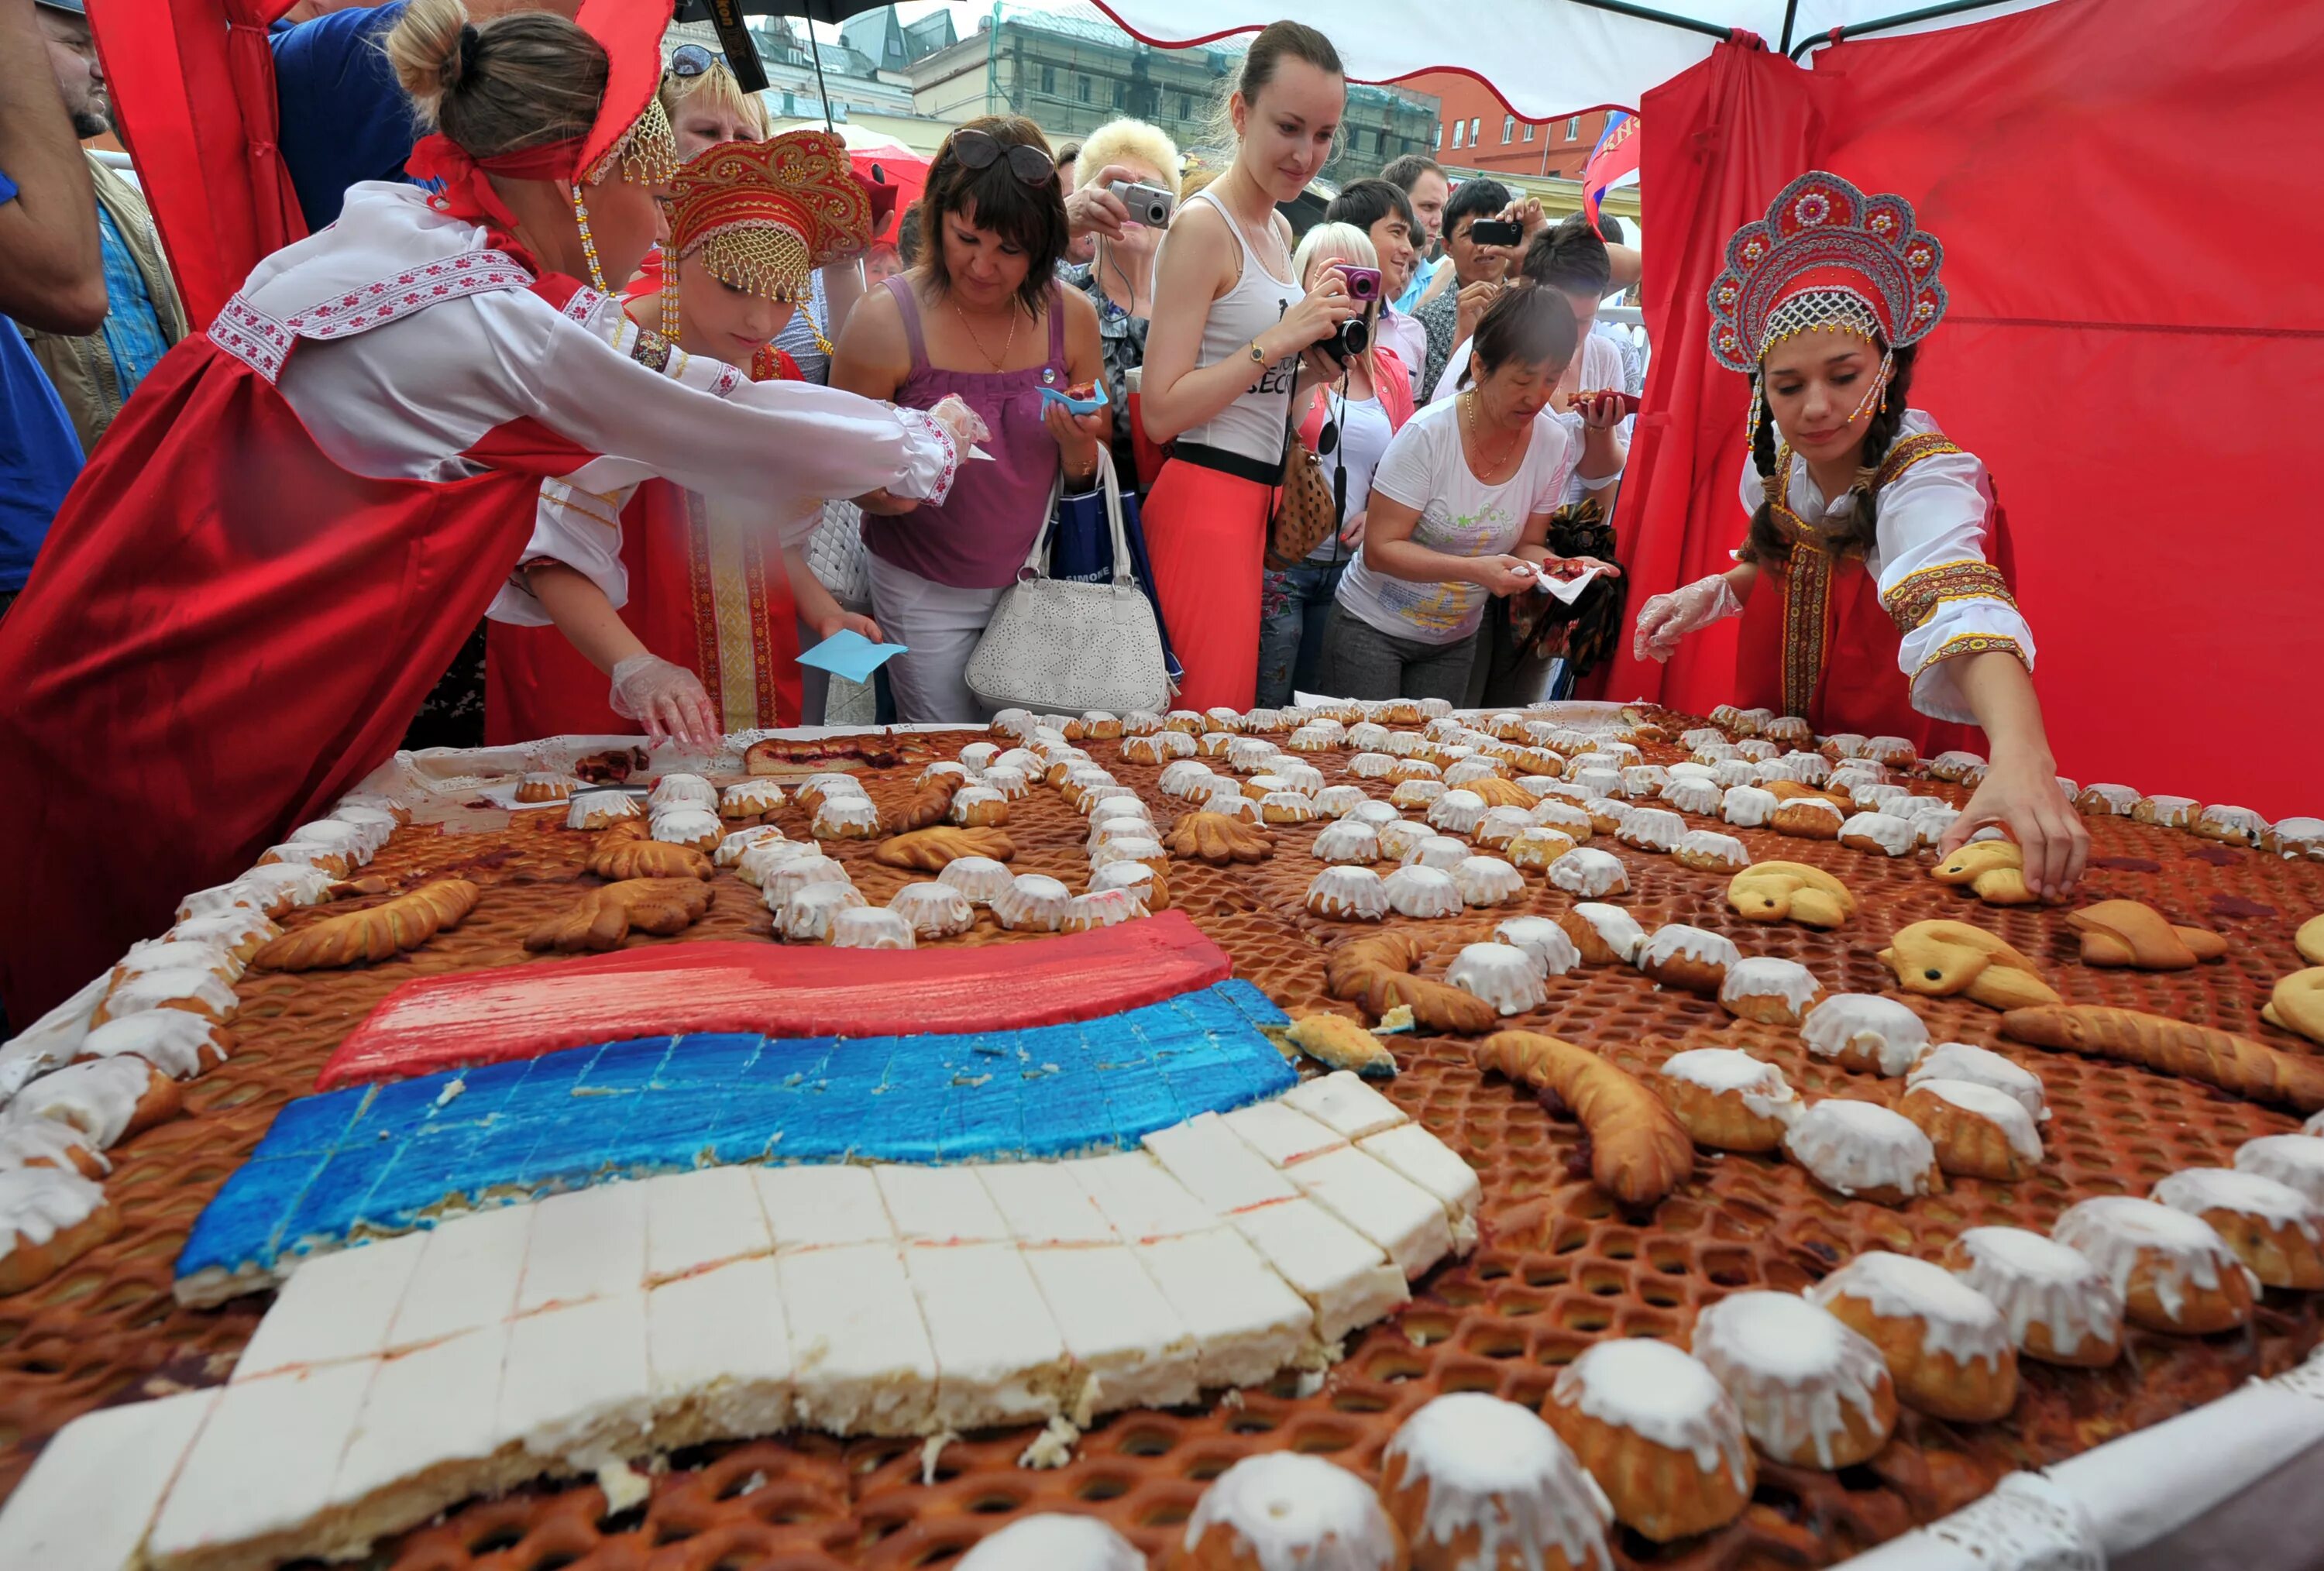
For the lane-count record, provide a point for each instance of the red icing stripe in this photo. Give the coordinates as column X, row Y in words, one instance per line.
column 521, row 1011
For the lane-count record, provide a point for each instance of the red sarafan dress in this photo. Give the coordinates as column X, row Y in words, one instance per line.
column 714, row 600
column 1827, row 632
column 291, row 528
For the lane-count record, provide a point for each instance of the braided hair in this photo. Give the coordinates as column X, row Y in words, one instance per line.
column 1767, row 545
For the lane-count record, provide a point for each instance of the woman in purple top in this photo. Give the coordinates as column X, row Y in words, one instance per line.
column 980, row 316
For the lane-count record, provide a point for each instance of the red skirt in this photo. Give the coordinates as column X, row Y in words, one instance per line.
column 1206, row 538
column 537, row 684
column 1859, row 687
column 225, row 632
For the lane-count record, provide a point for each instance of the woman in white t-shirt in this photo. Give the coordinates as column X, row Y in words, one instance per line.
column 1460, row 507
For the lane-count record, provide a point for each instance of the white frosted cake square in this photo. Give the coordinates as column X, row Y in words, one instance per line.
column 1000, row 1356
column 585, row 1245
column 1216, row 1165
column 1247, row 1321
column 1141, row 1200
column 719, row 1346
column 1391, row 1210
column 702, row 1218
column 1436, row 1167
column 261, row 1467
column 467, row 1277
column 124, row 1457
column 1342, row 1103
column 860, row 1359
column 1122, row 1331
column 576, row 1385
column 1346, row 1279
column 334, row 1307
column 1043, row 1205
column 425, row 1433
column 1283, row 1135
column 939, row 1205
column 816, row 1207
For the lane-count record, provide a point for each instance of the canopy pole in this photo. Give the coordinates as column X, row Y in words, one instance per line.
column 1858, row 29
column 1687, row 24
column 1791, row 14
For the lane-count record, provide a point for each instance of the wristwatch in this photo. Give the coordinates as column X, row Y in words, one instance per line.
column 1257, row 357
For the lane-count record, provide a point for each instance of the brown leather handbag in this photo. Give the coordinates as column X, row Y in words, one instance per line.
column 1306, row 513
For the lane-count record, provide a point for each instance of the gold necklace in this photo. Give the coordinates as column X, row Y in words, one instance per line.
column 1002, row 362
column 1473, row 402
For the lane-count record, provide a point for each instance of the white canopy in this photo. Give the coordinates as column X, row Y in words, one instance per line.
column 1545, row 57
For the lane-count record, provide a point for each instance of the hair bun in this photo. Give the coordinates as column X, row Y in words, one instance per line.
column 431, row 47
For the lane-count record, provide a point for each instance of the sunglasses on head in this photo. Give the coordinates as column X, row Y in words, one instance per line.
column 690, row 61
column 981, row 150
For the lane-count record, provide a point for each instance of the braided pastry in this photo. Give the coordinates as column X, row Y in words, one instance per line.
column 629, row 856
column 930, row 804
column 368, row 937
column 1638, row 1150
column 931, row 850
column 1375, row 971
column 2173, row 1046
column 1217, row 837
column 602, row 917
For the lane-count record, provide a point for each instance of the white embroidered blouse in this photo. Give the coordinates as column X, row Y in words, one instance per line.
column 1932, row 563
column 420, row 341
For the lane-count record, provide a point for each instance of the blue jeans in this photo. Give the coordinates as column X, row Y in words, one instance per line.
column 1293, row 609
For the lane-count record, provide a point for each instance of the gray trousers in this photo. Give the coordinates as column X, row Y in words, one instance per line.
column 1361, row 661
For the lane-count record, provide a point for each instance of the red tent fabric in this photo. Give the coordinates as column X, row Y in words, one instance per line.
column 192, row 86
column 907, row 172
column 2132, row 209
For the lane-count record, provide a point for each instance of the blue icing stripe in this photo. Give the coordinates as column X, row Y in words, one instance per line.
column 389, row 1159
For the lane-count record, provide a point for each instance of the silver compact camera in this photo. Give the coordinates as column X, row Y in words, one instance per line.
column 1147, row 204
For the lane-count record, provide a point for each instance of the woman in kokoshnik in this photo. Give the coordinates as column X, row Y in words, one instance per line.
column 1882, row 551
column 304, row 512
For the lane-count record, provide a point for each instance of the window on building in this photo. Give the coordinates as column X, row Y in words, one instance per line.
column 1573, row 129
column 1508, row 128
column 1459, row 131
column 1528, row 136
column 1437, row 144
column 1048, row 78
column 1380, row 141
column 1082, row 84
column 1477, row 130
column 1120, row 93
column 1185, row 106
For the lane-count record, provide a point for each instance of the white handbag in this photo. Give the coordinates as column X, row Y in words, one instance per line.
column 1057, row 647
column 835, row 555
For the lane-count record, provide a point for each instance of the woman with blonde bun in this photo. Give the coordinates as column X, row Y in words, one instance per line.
column 303, row 513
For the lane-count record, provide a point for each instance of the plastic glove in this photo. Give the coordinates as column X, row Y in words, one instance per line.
column 668, row 699
column 1666, row 619
column 963, row 424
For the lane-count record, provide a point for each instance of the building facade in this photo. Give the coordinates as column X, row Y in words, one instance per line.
column 1475, row 130
column 1071, row 71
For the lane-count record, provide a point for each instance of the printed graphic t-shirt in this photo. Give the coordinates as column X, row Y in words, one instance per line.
column 1460, row 515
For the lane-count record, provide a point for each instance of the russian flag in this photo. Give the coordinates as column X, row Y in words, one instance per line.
column 1616, row 155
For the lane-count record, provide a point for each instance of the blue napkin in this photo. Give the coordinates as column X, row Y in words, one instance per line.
column 848, row 654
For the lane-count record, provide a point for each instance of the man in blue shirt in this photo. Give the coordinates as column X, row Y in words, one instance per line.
column 342, row 115
column 52, row 277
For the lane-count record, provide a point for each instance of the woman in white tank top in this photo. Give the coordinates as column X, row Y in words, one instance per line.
column 1232, row 342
